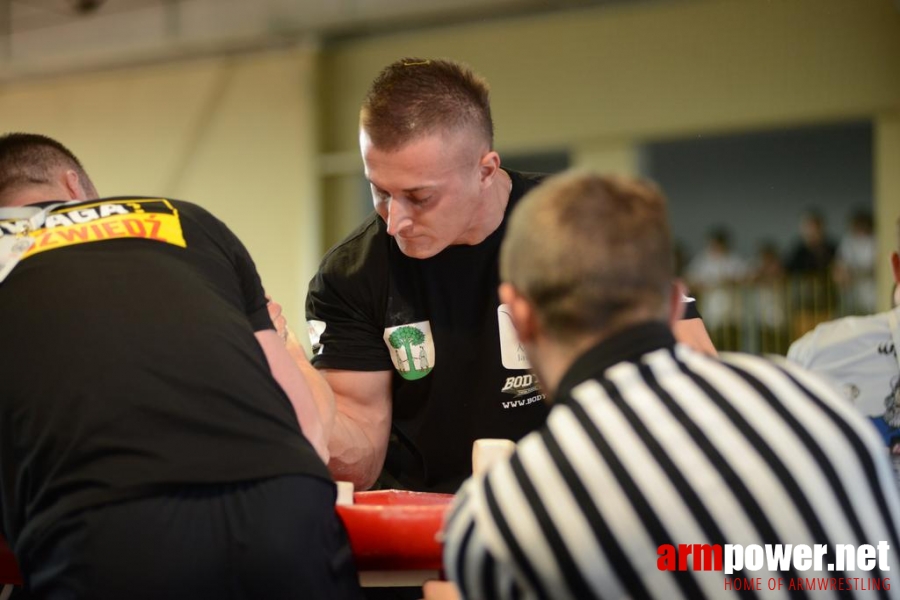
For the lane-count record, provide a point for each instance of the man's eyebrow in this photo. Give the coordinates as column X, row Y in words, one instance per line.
column 411, row 190
column 418, row 188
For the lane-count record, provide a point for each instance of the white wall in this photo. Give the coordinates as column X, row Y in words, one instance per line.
column 236, row 135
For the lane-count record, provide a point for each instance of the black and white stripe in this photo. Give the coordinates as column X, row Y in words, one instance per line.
column 678, row 448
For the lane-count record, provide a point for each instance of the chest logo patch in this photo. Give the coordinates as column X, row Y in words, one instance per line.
column 512, row 353
column 411, row 347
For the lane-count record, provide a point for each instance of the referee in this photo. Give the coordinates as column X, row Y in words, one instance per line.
column 651, row 445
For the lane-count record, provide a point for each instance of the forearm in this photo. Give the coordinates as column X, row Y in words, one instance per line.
column 322, row 395
column 355, row 456
column 298, row 390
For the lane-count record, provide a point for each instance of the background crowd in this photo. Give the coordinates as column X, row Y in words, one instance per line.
column 761, row 303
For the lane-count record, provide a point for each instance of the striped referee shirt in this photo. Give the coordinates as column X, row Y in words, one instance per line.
column 651, row 443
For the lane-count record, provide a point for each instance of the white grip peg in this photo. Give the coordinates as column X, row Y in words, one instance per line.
column 344, row 493
column 487, row 451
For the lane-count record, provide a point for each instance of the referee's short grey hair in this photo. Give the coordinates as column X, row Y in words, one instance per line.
column 590, row 252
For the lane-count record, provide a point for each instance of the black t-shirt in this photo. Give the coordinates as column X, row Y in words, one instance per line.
column 129, row 363
column 459, row 372
column 437, row 324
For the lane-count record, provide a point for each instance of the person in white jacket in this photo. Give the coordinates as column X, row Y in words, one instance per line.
column 860, row 355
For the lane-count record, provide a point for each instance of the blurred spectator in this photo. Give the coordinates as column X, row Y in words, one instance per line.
column 712, row 275
column 768, row 294
column 814, row 251
column 767, row 268
column 854, row 268
column 812, row 295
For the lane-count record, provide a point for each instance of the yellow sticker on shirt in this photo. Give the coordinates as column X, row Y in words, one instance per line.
column 155, row 220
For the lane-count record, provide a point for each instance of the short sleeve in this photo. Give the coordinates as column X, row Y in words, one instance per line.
column 255, row 302
column 345, row 313
column 253, row 296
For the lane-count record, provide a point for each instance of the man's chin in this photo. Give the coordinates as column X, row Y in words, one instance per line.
column 417, row 249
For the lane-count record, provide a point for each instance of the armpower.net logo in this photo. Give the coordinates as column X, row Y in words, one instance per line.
column 806, row 563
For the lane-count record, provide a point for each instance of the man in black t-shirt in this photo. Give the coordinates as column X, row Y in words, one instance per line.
column 404, row 317
column 156, row 438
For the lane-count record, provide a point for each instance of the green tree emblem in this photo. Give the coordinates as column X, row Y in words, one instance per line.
column 406, row 337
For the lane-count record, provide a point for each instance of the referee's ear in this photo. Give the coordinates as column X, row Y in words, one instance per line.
column 675, row 304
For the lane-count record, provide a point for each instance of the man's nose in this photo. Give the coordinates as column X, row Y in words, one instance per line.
column 397, row 217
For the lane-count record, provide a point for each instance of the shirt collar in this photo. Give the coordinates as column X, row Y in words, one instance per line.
column 630, row 344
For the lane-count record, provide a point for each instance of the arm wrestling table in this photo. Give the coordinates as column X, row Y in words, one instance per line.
column 393, row 535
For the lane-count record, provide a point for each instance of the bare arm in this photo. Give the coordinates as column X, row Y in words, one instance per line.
column 321, row 392
column 362, row 424
column 355, row 407
column 285, row 369
column 692, row 332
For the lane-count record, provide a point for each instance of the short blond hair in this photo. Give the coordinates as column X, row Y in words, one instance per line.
column 590, row 252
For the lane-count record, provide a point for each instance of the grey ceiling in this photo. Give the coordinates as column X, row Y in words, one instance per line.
column 48, row 33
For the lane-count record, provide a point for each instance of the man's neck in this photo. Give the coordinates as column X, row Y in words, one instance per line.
column 622, row 341
column 35, row 195
column 556, row 358
column 488, row 219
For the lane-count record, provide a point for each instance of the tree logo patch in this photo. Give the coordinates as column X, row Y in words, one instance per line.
column 411, row 347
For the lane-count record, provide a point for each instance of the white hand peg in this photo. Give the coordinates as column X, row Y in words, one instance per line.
column 344, row 493
column 487, row 451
